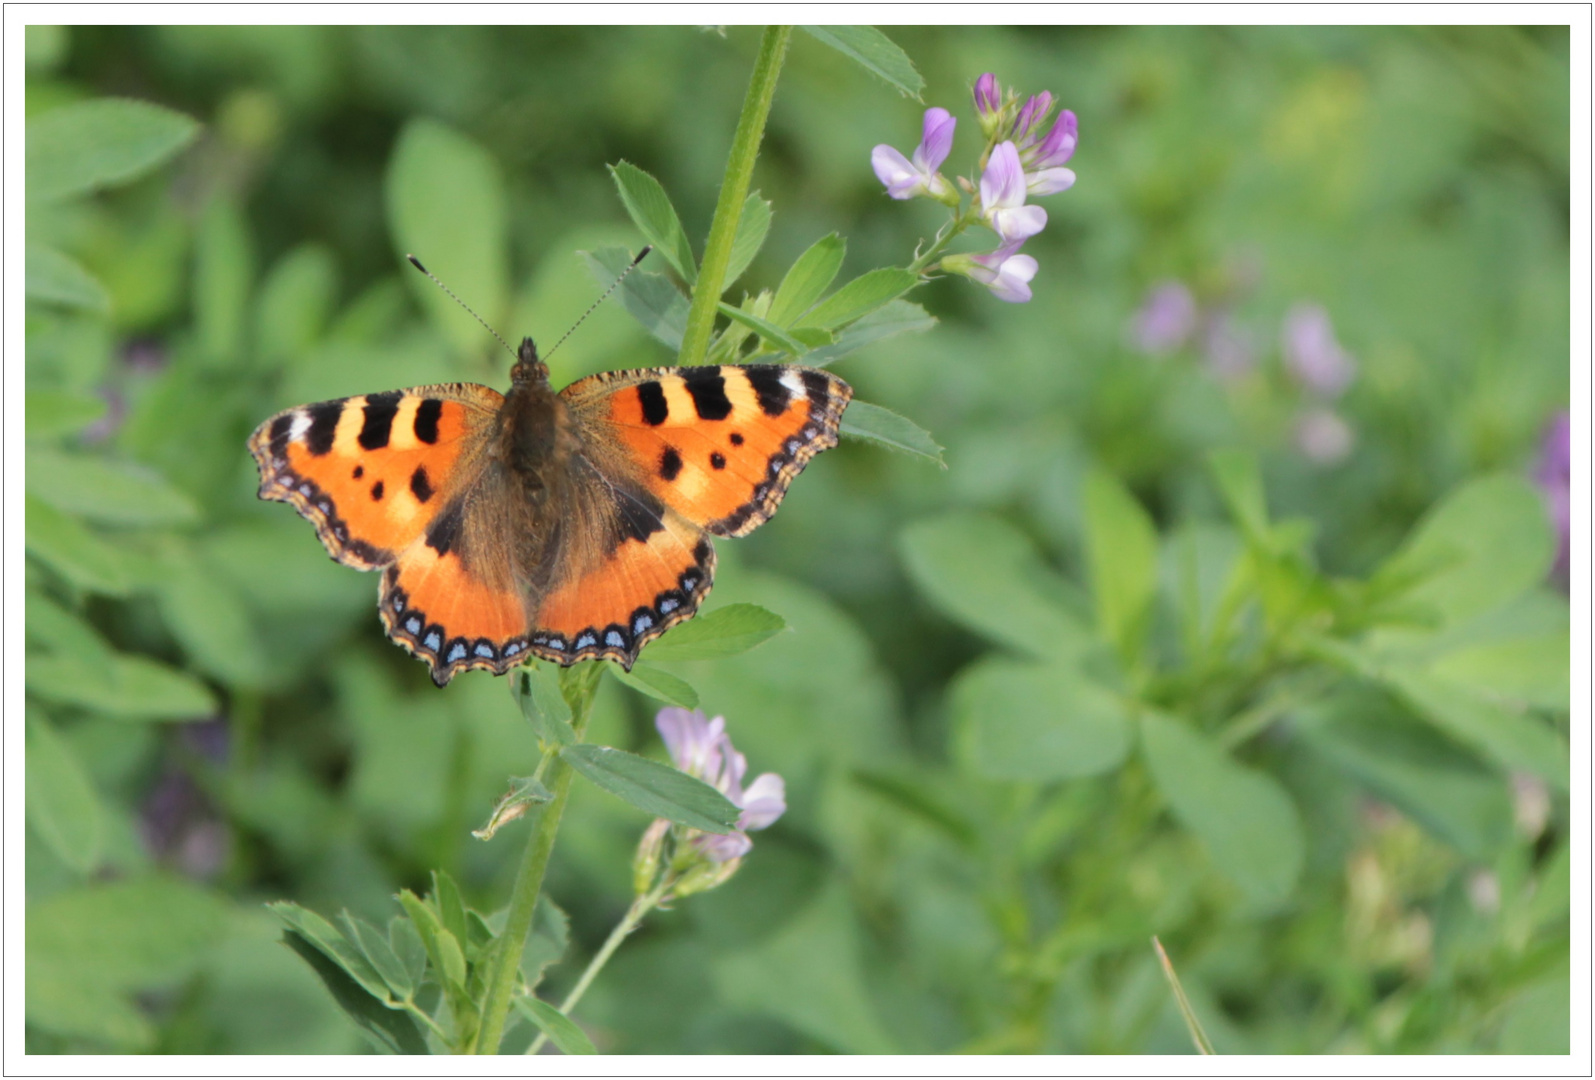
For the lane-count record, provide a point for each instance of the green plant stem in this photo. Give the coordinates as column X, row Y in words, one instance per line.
column 528, row 884
column 639, row 909
column 943, row 238
column 733, row 191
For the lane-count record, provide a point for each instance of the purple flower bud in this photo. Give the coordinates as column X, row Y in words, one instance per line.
column 1058, row 147
column 1323, row 437
column 1166, row 319
column 1002, row 197
column 1312, row 353
column 905, row 179
column 1553, row 474
column 1030, row 116
column 988, row 96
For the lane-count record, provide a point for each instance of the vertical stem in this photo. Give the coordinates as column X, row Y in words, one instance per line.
column 733, row 190
column 529, row 881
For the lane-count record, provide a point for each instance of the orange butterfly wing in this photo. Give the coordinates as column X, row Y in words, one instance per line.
column 379, row 476
column 690, row 452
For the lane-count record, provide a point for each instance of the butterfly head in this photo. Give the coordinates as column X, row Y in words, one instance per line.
column 528, row 369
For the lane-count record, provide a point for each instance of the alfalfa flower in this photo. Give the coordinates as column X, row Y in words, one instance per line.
column 905, row 178
column 1004, row 271
column 700, row 747
column 1002, row 197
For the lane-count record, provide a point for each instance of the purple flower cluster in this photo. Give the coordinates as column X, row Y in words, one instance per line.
column 1024, row 158
column 1554, row 475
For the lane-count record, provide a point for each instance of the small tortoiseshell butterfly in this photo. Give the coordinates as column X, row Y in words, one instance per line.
column 568, row 525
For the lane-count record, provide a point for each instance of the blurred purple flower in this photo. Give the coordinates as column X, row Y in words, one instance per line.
column 1323, row 437
column 701, row 748
column 905, row 179
column 1002, row 197
column 180, row 827
column 1553, row 473
column 1312, row 353
column 1165, row 321
column 1229, row 349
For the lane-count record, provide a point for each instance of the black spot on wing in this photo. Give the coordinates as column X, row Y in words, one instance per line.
column 708, row 390
column 766, row 381
column 702, row 551
column 655, row 409
column 444, row 532
column 323, row 426
column 819, row 389
column 359, row 471
column 280, row 428
column 718, row 460
column 376, row 491
column 640, row 515
column 380, row 410
column 736, row 438
column 670, row 463
column 426, row 421
column 420, row 483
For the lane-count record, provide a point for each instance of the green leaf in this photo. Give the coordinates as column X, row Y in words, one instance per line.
column 536, row 690
column 809, row 974
column 656, row 789
column 897, row 317
column 405, row 942
column 1531, row 670
column 808, row 279
column 1029, row 721
column 1245, row 819
column 1536, row 1021
column 984, row 574
column 752, row 227
column 1426, row 777
column 859, row 297
column 114, row 493
column 1515, row 739
column 886, row 428
column 73, row 551
column 333, row 944
column 209, row 619
column 92, row 144
column 765, row 329
column 375, row 947
column 524, row 793
column 56, row 279
column 224, row 271
column 1240, row 482
column 1121, row 551
column 445, row 200
column 908, row 788
column 58, row 630
column 391, row 1031
column 728, row 631
column 442, row 947
column 875, row 52
column 546, row 945
column 128, row 687
column 296, row 299
column 649, row 298
column 560, row 1029
column 51, row 413
column 652, row 213
column 62, row 805
column 86, row 948
column 1485, row 543
column 657, row 684
column 450, row 905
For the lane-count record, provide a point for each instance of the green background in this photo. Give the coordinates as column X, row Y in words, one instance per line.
column 959, row 869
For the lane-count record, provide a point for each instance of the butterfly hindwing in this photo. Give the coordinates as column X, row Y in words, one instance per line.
column 370, row 472
column 719, row 445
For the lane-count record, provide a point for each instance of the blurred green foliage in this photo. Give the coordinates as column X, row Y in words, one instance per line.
column 1138, row 661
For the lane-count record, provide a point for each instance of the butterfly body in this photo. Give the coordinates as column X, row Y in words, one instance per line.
column 568, row 525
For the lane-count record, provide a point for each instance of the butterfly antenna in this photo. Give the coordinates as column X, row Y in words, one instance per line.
column 417, row 264
column 641, row 255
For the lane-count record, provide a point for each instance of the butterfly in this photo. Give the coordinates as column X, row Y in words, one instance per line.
column 565, row 525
